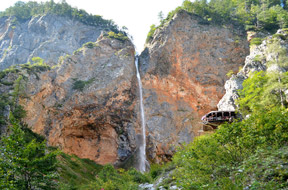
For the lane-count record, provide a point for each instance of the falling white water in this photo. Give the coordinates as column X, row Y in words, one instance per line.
column 142, row 148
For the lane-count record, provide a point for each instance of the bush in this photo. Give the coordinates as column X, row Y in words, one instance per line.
column 256, row 41
column 80, row 84
column 281, row 36
column 110, row 178
column 25, row 163
column 212, row 161
column 230, row 73
column 264, row 170
column 202, row 162
column 151, row 33
column 119, row 36
column 90, row 45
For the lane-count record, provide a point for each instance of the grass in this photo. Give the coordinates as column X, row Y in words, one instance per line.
column 75, row 171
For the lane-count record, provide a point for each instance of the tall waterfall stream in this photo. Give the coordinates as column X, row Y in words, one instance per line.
column 142, row 148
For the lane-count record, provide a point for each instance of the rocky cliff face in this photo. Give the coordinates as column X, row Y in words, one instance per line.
column 86, row 105
column 89, row 105
column 47, row 36
column 183, row 73
column 258, row 60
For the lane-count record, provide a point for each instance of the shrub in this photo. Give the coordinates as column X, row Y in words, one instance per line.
column 258, row 58
column 151, row 33
column 110, row 178
column 256, row 41
column 281, row 36
column 230, row 73
column 90, row 45
column 80, row 84
column 212, row 161
column 264, row 170
column 26, row 164
column 119, row 36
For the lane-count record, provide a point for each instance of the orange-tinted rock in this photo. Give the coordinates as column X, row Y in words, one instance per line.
column 183, row 74
column 96, row 121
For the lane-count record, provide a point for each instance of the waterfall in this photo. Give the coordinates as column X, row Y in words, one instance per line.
column 142, row 147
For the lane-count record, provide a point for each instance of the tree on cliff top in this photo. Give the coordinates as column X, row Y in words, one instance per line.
column 267, row 15
column 24, row 11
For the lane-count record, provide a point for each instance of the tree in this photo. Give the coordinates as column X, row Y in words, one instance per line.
column 160, row 16
column 25, row 161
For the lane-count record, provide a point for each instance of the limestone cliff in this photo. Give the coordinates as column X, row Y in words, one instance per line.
column 183, row 73
column 47, row 36
column 86, row 105
column 258, row 60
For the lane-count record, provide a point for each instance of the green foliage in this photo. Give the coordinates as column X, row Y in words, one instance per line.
column 252, row 93
column 279, row 53
column 249, row 15
column 119, row 36
column 38, row 65
column 26, row 163
column 18, row 81
column 110, row 178
column 151, row 33
column 80, row 84
column 24, row 11
column 75, row 172
column 266, row 169
column 201, row 163
column 4, row 103
column 248, row 153
column 230, row 73
column 281, row 36
column 258, row 58
column 214, row 161
column 255, row 41
column 263, row 91
column 90, row 45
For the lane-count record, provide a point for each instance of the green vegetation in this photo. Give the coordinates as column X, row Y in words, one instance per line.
column 255, row 41
column 268, row 15
column 230, row 73
column 216, row 161
column 80, row 84
column 75, row 172
column 16, row 83
column 26, row 163
column 110, row 178
column 246, row 154
column 150, row 33
column 90, row 45
column 250, row 153
column 37, row 66
column 118, row 36
column 281, row 36
column 24, row 11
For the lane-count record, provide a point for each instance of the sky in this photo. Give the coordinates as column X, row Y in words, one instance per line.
column 136, row 15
